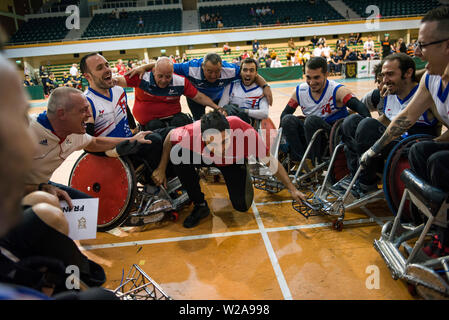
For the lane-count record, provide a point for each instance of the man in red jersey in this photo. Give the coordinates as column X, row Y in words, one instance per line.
column 222, row 142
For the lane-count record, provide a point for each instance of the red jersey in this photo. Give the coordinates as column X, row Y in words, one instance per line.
column 245, row 141
column 152, row 102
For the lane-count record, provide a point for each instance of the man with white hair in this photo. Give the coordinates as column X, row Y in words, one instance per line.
column 158, row 94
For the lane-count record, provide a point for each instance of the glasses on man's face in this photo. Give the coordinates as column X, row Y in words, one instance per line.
column 419, row 45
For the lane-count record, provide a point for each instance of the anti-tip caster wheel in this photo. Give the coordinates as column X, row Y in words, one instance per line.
column 412, row 289
column 337, row 225
column 174, row 216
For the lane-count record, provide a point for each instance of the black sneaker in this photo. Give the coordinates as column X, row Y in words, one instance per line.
column 199, row 212
column 360, row 190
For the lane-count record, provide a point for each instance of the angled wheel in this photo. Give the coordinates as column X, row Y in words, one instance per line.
column 112, row 180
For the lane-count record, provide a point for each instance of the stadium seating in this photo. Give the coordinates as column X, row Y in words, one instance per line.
column 155, row 21
column 61, row 5
column 291, row 11
column 281, row 50
column 41, row 29
column 390, row 8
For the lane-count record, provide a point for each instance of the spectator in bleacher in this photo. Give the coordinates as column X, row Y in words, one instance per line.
column 66, row 80
column 73, row 70
column 120, row 67
column 387, row 47
column 261, row 61
column 226, row 48
column 265, row 50
column 369, row 45
column 326, row 51
column 43, row 75
column 400, row 46
column 140, row 24
column 341, row 40
column 291, row 44
column 351, row 40
column 244, row 55
column 314, row 41
column 268, row 61
column 351, row 55
column 318, row 51
column 256, row 46
column 335, row 63
column 322, row 40
column 278, row 23
column 112, row 15
column 343, row 48
column 358, row 39
column 123, row 14
column 273, row 54
column 411, row 50
column 52, row 83
column 219, row 24
column 27, row 82
column 252, row 13
column 276, row 63
column 76, row 81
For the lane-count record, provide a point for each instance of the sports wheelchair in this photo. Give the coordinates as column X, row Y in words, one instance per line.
column 302, row 176
column 428, row 277
column 327, row 201
column 127, row 195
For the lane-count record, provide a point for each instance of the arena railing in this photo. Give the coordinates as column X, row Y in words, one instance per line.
column 204, row 30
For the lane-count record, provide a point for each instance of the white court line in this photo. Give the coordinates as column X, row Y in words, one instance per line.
column 217, row 235
column 165, row 240
column 274, row 261
column 272, row 202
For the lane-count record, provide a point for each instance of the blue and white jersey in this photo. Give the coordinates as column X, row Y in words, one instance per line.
column 192, row 70
column 393, row 105
column 251, row 98
column 326, row 106
column 434, row 84
column 109, row 113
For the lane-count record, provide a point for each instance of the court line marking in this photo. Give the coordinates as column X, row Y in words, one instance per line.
column 218, row 235
column 272, row 255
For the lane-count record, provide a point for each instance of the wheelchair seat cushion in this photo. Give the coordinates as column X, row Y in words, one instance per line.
column 431, row 196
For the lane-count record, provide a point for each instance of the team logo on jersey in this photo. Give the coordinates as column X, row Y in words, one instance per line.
column 101, row 113
column 44, row 142
column 171, row 91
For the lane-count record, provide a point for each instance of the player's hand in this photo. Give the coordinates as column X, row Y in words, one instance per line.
column 141, row 137
column 365, row 159
column 159, row 177
column 268, row 94
column 61, row 194
column 384, row 91
column 137, row 71
column 222, row 111
column 297, row 195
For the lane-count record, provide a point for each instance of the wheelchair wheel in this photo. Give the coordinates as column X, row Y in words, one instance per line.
column 397, row 162
column 340, row 168
column 112, row 180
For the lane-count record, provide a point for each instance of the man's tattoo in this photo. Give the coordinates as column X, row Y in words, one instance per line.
column 398, row 127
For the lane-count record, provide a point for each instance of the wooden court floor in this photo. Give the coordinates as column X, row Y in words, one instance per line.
column 269, row 252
